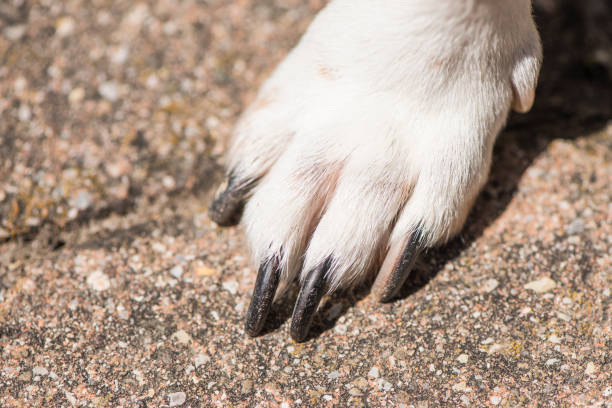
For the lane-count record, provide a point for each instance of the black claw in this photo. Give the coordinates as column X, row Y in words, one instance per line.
column 403, row 267
column 263, row 295
column 226, row 208
column 310, row 295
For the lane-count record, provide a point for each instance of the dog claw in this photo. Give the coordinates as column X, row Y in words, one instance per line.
column 263, row 295
column 391, row 278
column 310, row 295
column 226, row 208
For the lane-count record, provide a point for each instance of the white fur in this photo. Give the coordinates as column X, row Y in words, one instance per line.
column 381, row 119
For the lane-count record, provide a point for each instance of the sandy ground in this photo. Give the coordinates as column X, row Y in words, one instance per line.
column 117, row 290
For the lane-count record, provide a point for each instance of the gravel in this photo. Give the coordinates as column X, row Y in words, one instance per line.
column 114, row 282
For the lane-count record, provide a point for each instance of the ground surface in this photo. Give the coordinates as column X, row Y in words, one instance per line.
column 117, row 290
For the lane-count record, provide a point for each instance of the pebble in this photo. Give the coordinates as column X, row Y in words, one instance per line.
column 83, row 200
column 64, row 27
column 490, row 285
column 158, row 247
column 463, row 358
column 384, row 385
column 373, row 373
column 24, row 113
column 109, row 91
column 231, row 286
column 575, row 227
column 205, row 271
column 168, row 182
column 182, row 337
column 247, row 386
column 98, row 281
column 120, row 55
column 176, row 398
column 462, row 386
column 177, row 271
column 541, row 285
column 200, row 359
column 552, row 361
column 40, row 371
column 70, row 397
column 495, row 399
column 76, row 96
column 15, row 32
column 563, row 316
column 333, row 375
column 590, row 368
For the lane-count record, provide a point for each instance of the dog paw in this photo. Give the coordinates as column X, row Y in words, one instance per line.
column 371, row 141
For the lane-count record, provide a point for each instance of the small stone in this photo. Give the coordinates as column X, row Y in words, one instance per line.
column 152, row 81
column 333, row 375
column 83, row 200
column 231, row 286
column 14, row 32
column 168, row 182
column 25, row 376
column 109, row 91
column 177, row 271
column 495, row 399
column 575, row 227
column 40, row 371
column 70, row 397
column 247, row 387
column 554, row 339
column 72, row 213
column 158, row 247
column 122, row 313
column 64, row 26
column 205, row 271
column 182, row 337
column 552, row 361
column 462, row 386
column 200, row 359
column 118, row 168
column 373, row 373
column 327, row 397
column 463, row 358
column 384, row 385
column 541, row 285
column 590, row 368
column 355, row 392
column 176, row 398
column 98, row 281
column 563, row 316
column 76, row 96
column 490, row 285
column 120, row 55
column 25, row 113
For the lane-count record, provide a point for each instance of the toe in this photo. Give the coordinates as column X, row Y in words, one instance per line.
column 397, row 266
column 268, row 278
column 313, row 289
